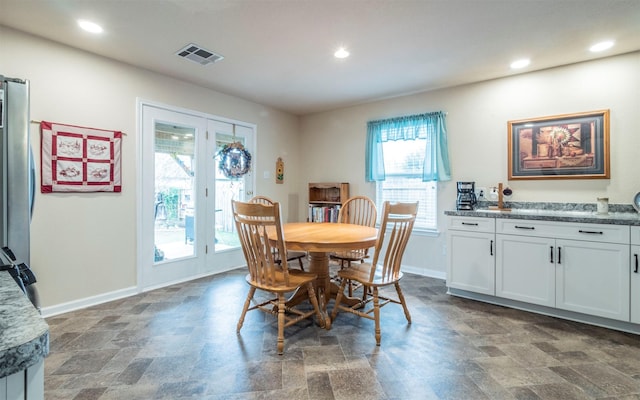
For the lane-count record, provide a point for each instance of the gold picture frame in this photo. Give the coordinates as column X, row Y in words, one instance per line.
column 568, row 146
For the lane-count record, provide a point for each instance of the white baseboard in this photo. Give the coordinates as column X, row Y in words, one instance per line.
column 431, row 273
column 115, row 295
column 88, row 302
column 133, row 290
column 188, row 278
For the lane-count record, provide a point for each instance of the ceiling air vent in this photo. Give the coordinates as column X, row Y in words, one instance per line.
column 198, row 55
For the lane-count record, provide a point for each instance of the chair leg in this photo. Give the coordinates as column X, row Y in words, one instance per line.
column 349, row 282
column 403, row 302
column 334, row 312
column 376, row 314
column 281, row 307
column 247, row 303
column 314, row 302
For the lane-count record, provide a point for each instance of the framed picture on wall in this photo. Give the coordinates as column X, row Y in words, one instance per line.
column 569, row 146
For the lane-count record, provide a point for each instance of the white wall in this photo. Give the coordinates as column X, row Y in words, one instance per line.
column 477, row 124
column 84, row 245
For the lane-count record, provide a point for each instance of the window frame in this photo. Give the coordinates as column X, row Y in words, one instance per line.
column 427, row 220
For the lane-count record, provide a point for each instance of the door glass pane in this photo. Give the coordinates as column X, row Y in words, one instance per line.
column 174, row 232
column 226, row 190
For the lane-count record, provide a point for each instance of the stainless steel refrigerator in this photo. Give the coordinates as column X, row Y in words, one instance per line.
column 18, row 178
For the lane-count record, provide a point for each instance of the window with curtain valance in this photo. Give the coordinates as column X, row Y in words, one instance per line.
column 406, row 156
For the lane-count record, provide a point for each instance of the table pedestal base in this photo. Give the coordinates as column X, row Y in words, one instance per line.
column 324, row 287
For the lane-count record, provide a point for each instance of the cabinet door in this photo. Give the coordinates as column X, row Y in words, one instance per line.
column 635, row 284
column 470, row 261
column 593, row 278
column 525, row 269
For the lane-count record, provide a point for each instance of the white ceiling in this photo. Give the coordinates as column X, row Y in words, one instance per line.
column 280, row 52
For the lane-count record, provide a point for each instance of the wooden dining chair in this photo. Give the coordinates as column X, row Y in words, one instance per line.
column 359, row 210
column 254, row 222
column 291, row 255
column 384, row 269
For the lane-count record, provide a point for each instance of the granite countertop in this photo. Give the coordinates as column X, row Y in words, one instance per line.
column 24, row 334
column 565, row 212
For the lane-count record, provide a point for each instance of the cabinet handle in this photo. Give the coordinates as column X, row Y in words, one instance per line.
column 636, row 269
column 551, row 254
column 469, row 223
column 559, row 255
column 491, row 253
column 592, row 232
column 526, row 227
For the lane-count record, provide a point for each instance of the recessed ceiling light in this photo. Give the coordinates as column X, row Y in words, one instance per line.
column 520, row 63
column 602, row 46
column 89, row 26
column 341, row 53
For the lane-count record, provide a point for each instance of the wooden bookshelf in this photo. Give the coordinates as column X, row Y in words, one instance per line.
column 325, row 200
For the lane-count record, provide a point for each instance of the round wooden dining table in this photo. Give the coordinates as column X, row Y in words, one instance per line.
column 319, row 240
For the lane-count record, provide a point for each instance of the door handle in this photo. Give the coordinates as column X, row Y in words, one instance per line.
column 592, row 232
column 525, row 227
column 559, row 255
column 636, row 269
column 491, row 253
column 551, row 254
column 469, row 223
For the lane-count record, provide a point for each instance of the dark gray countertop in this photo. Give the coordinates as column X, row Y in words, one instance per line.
column 564, row 212
column 24, row 334
column 590, row 217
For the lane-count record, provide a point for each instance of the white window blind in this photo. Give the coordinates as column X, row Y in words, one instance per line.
column 403, row 160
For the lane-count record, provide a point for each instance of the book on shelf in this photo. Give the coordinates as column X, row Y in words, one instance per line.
column 323, row 213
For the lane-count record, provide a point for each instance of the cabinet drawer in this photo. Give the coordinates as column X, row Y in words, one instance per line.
column 635, row 235
column 565, row 230
column 473, row 224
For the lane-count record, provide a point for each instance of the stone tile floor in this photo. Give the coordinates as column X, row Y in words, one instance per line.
column 181, row 342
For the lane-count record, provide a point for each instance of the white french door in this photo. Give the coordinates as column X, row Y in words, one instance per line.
column 226, row 252
column 186, row 228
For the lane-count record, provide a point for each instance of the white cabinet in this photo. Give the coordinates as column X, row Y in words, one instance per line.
column 24, row 385
column 525, row 269
column 593, row 278
column 471, row 254
column 570, row 266
column 635, row 274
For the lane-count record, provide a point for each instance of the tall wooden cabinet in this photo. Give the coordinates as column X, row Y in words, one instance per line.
column 325, row 200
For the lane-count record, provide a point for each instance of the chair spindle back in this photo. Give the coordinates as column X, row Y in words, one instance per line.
column 398, row 219
column 358, row 210
column 254, row 222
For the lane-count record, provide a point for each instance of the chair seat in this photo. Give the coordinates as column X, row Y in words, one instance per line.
column 362, row 272
column 296, row 279
column 349, row 255
column 292, row 255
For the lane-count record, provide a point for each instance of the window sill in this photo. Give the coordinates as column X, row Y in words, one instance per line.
column 426, row 232
column 421, row 232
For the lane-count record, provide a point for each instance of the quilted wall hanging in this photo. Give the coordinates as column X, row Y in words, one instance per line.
column 79, row 159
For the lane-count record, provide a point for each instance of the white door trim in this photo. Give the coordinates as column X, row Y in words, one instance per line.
column 202, row 270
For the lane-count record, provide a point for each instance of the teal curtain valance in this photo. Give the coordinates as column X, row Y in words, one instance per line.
column 430, row 126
